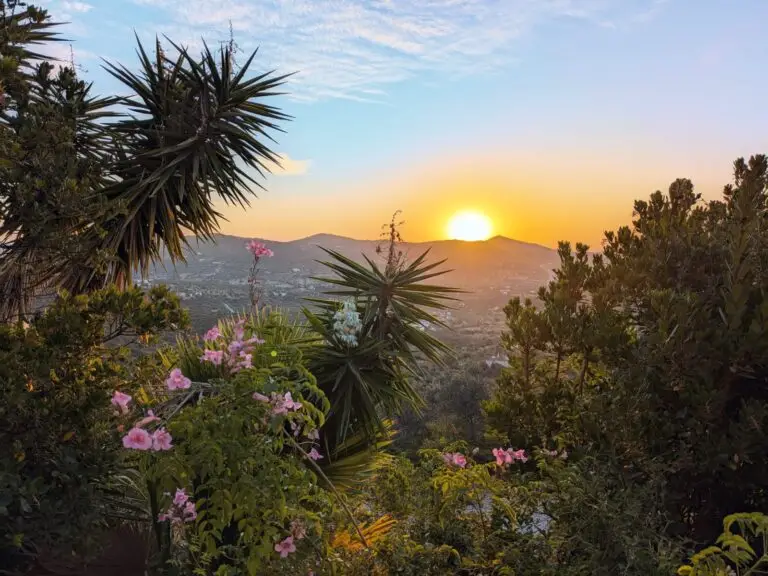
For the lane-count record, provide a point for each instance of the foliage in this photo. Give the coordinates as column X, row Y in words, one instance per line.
column 58, row 447
column 644, row 363
column 96, row 188
column 454, row 395
column 733, row 554
column 450, row 519
column 243, row 464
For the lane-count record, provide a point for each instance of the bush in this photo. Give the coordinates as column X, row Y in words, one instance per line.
column 242, row 452
column 58, row 445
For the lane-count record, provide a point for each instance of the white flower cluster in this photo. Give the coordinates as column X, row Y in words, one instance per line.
column 347, row 324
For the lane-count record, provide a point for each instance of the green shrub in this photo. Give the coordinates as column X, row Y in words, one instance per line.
column 244, row 466
column 58, row 441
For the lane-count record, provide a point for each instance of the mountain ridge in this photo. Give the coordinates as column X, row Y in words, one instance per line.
column 327, row 236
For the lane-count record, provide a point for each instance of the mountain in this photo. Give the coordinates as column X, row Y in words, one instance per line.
column 214, row 281
column 473, row 264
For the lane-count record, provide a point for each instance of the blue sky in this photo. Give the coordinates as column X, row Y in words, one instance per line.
column 550, row 116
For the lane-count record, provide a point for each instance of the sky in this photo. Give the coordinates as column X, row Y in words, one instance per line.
column 548, row 116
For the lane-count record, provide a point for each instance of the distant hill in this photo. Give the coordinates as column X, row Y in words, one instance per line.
column 473, row 263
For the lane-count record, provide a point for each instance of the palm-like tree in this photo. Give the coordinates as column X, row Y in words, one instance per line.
column 370, row 382
column 94, row 189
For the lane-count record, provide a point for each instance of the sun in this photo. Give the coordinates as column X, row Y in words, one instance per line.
column 470, row 226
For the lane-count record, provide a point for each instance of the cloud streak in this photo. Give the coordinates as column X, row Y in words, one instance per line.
column 355, row 50
column 288, row 166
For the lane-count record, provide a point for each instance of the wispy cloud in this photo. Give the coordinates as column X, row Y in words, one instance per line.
column 354, row 49
column 289, row 167
column 76, row 6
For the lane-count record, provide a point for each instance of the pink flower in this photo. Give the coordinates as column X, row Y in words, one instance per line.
column 138, row 439
column 177, row 381
column 190, row 513
column 212, row 334
column 314, row 434
column 239, row 330
column 258, row 249
column 459, row 460
column 260, row 397
column 255, row 340
column 182, row 509
column 285, row 547
column 455, row 459
column 180, row 498
column 245, row 362
column 121, row 400
column 235, row 347
column 161, row 440
column 518, row 455
column 500, row 455
column 289, row 403
column 214, row 356
column 148, row 419
column 314, row 454
column 298, row 529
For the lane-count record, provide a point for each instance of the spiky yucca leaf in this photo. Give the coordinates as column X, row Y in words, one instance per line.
column 198, row 131
column 369, row 382
column 357, row 460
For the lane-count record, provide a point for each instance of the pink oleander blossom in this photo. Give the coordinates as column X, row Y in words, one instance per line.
column 519, row 455
column 182, row 509
column 121, row 401
column 245, row 362
column 190, row 512
column 137, row 439
column 509, row 456
column 455, row 459
column 239, row 330
column 177, row 381
column 258, row 249
column 283, row 404
column 148, row 419
column 502, row 456
column 289, row 403
column 161, row 440
column 212, row 334
column 216, row 357
column 285, row 547
column 180, row 498
column 314, row 454
column 235, row 347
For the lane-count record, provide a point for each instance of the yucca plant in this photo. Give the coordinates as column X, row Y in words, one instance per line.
column 95, row 189
column 373, row 344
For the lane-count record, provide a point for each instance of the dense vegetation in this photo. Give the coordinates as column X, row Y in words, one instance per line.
column 627, row 433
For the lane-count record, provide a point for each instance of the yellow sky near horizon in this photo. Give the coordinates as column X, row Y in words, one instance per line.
column 532, row 198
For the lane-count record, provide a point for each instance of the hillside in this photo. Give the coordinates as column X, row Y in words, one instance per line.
column 213, row 283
